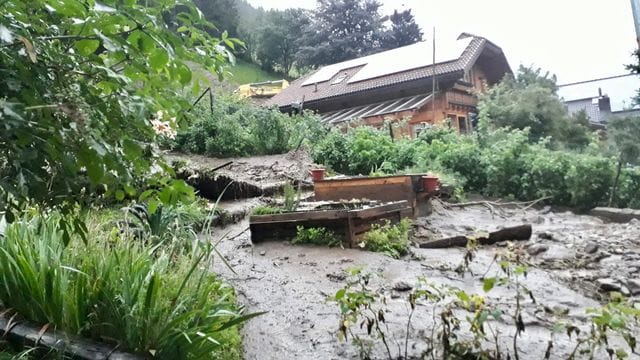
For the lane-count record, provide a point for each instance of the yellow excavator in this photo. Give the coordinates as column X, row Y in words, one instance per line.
column 262, row 89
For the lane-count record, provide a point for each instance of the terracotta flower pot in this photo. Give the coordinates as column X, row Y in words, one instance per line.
column 430, row 183
column 317, row 174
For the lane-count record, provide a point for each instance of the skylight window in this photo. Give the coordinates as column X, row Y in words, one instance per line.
column 339, row 79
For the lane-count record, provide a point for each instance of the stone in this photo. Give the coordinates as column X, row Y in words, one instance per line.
column 545, row 235
column 402, row 286
column 591, row 249
column 608, row 285
column 337, row 277
column 634, row 286
column 537, row 249
column 263, row 253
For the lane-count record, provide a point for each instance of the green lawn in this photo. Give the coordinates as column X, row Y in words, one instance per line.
column 245, row 73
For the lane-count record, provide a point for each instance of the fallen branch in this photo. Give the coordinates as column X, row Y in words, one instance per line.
column 521, row 232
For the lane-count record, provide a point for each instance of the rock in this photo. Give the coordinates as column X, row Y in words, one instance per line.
column 608, row 285
column 337, row 277
column 536, row 249
column 634, row 286
column 263, row 253
column 402, row 286
column 545, row 235
column 591, row 249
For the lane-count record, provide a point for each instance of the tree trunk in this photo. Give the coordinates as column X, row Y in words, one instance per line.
column 521, row 232
column 615, row 182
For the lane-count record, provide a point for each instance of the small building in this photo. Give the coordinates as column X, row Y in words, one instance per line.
column 264, row 89
column 602, row 98
column 398, row 85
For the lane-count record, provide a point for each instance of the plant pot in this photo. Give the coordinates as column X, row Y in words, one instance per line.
column 317, row 174
column 430, row 183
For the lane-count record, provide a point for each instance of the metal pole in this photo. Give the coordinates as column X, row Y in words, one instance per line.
column 635, row 8
column 433, row 90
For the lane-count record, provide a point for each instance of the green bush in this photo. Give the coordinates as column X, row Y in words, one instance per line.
column 153, row 301
column 629, row 189
column 504, row 162
column 465, row 158
column 500, row 162
column 392, row 240
column 237, row 128
column 544, row 175
column 589, row 180
column 316, row 236
column 332, row 151
column 368, row 149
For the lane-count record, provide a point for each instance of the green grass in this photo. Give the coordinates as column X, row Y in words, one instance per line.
column 245, row 73
column 152, row 300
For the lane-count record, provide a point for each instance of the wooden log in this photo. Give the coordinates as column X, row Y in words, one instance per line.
column 28, row 334
column 521, row 232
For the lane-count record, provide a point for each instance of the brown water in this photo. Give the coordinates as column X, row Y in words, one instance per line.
column 292, row 283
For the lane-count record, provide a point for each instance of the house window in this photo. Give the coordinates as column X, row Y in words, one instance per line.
column 339, row 79
column 418, row 128
column 462, row 124
column 451, row 122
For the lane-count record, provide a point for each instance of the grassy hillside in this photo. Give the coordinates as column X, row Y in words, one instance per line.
column 244, row 73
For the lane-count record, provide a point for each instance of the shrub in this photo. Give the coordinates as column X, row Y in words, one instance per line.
column 504, row 164
column 265, row 210
column 589, row 180
column 332, row 151
column 237, row 128
column 316, row 236
column 367, row 149
column 392, row 240
column 544, row 175
column 465, row 158
column 629, row 188
column 151, row 301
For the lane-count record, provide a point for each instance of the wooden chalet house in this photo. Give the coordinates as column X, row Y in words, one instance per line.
column 398, row 84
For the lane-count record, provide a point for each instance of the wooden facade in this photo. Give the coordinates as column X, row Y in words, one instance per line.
column 400, row 95
column 452, row 108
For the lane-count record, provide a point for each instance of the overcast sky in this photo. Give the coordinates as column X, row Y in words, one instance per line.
column 575, row 39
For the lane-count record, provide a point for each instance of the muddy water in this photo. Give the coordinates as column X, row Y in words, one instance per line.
column 571, row 256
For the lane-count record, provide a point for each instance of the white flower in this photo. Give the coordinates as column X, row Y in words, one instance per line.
column 163, row 128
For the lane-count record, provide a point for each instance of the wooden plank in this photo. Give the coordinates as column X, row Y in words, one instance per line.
column 356, row 182
column 297, row 216
column 521, row 232
column 375, row 211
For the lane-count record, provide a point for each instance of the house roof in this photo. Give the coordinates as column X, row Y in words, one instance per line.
column 377, row 109
column 620, row 89
column 389, row 68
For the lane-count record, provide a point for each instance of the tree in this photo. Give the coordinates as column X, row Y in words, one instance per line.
column 624, row 133
column 528, row 101
column 278, row 39
column 84, row 85
column 222, row 13
column 341, row 30
column 404, row 30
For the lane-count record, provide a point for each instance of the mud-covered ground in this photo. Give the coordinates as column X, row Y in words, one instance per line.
column 575, row 260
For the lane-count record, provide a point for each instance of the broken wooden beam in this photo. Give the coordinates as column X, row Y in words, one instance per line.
column 515, row 233
column 28, row 334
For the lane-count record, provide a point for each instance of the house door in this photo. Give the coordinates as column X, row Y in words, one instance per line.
column 462, row 124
